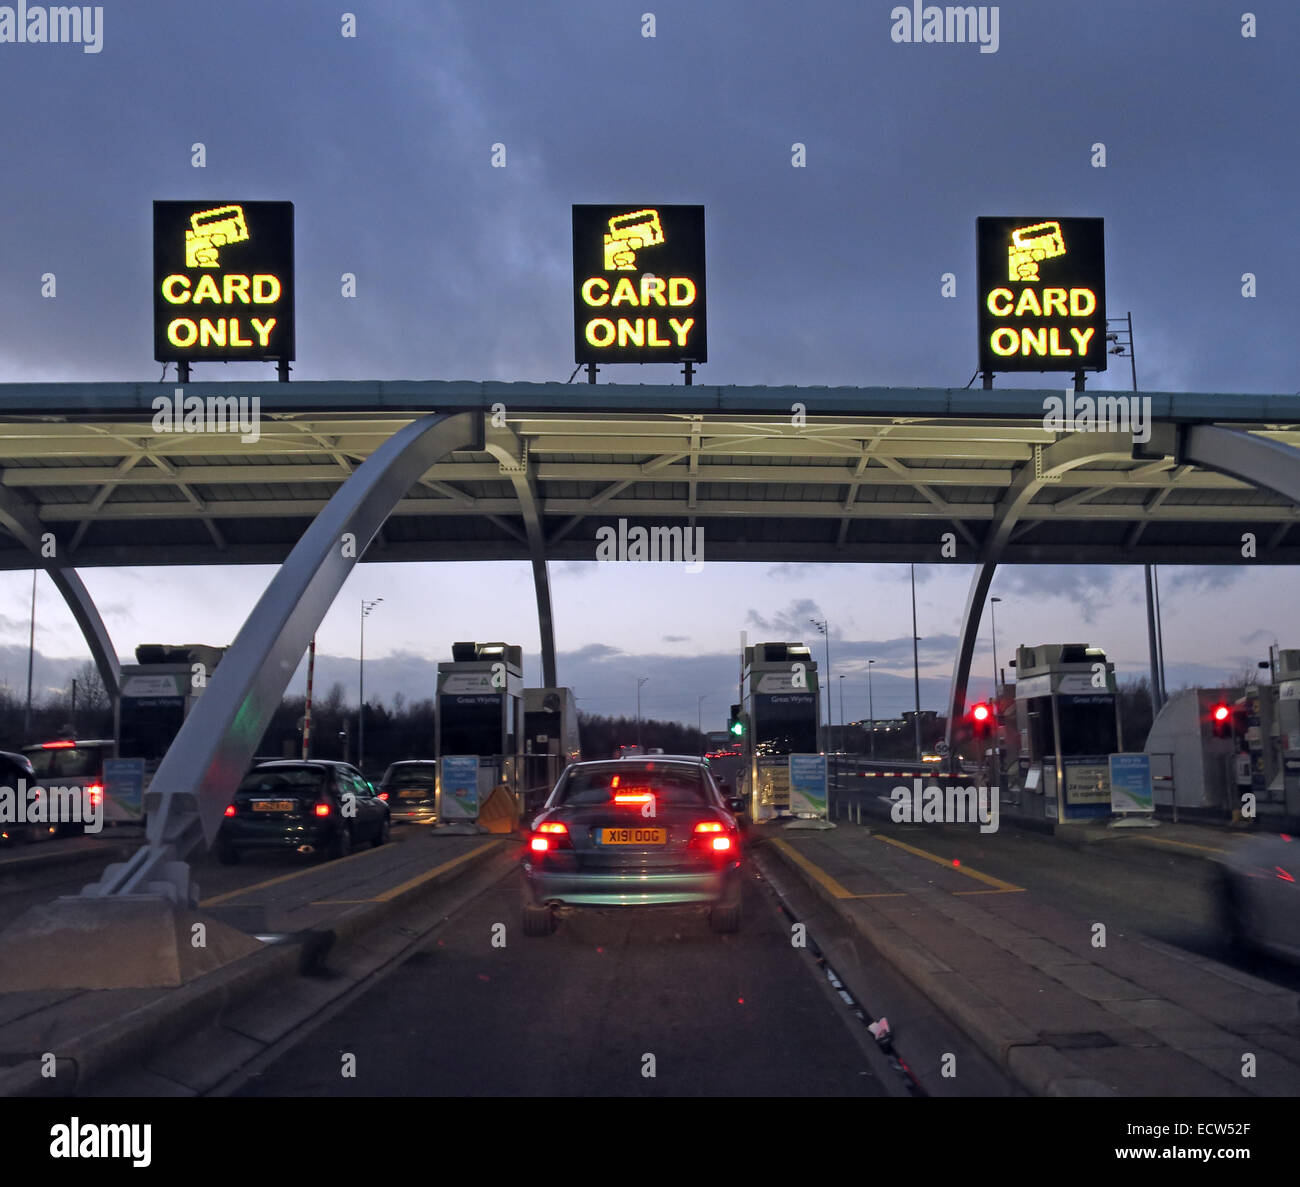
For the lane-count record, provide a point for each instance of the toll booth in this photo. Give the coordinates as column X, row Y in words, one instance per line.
column 1218, row 744
column 158, row 692
column 1286, row 676
column 1068, row 726
column 479, row 716
column 780, row 715
column 551, row 739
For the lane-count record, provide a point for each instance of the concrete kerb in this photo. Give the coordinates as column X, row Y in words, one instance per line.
column 1038, row 1068
column 102, row 1050
column 118, row 851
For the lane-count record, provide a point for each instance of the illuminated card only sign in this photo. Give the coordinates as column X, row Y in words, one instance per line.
column 223, row 281
column 638, row 284
column 1042, row 294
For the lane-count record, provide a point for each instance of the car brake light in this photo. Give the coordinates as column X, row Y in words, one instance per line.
column 708, row 826
column 322, row 809
column 230, row 809
column 550, row 835
column 96, row 793
column 713, row 836
column 721, row 844
column 56, row 745
column 633, row 797
column 383, row 795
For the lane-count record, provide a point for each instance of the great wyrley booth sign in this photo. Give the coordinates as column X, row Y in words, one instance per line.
column 638, row 284
column 1042, row 294
column 223, row 281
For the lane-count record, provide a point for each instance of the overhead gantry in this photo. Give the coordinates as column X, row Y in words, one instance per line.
column 1259, row 461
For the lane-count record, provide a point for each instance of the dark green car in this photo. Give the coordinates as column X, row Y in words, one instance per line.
column 312, row 806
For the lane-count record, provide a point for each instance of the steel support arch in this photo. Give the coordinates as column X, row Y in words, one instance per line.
column 203, row 766
column 1075, row 450
column 512, row 452
column 21, row 521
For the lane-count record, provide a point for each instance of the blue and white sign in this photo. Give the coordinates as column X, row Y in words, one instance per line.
column 1130, row 783
column 458, row 787
column 123, row 789
column 808, row 785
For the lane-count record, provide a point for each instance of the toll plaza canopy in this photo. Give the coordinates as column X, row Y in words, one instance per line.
column 769, row 473
column 496, row 471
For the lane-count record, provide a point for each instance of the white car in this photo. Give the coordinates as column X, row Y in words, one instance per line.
column 1260, row 895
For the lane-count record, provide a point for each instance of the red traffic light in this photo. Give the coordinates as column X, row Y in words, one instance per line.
column 1221, row 712
column 981, row 712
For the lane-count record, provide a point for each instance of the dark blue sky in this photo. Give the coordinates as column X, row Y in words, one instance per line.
column 828, row 274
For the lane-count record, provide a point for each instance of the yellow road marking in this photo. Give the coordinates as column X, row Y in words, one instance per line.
column 411, row 883
column 1009, row 890
column 813, row 871
column 312, row 869
column 988, row 879
column 1185, row 845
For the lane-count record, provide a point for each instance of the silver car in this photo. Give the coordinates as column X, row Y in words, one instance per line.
column 1260, row 895
column 634, row 832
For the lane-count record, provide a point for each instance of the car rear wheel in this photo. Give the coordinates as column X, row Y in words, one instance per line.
column 385, row 830
column 538, row 921
column 341, row 846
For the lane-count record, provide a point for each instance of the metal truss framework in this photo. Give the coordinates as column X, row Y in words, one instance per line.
column 864, row 475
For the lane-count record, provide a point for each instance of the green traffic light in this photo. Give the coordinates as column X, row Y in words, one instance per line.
column 737, row 728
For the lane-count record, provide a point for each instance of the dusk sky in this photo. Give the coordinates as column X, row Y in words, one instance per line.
column 827, row 274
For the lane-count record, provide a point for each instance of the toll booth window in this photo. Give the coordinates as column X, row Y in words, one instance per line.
column 1042, row 737
column 1088, row 725
column 67, row 762
column 470, row 725
column 785, row 725
column 670, row 786
column 149, row 725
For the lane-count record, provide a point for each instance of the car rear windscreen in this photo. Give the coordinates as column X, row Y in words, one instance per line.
column 411, row 777
column 290, row 782
column 670, row 785
column 67, row 762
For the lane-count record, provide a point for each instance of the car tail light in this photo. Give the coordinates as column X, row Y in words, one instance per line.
column 383, row 795
column 322, row 809
column 230, row 809
column 96, row 793
column 550, row 836
column 56, row 745
column 714, row 836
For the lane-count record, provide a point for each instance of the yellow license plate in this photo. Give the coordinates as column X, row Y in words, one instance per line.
column 273, row 805
column 632, row 836
column 415, row 794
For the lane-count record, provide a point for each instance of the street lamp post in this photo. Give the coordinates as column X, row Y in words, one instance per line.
column 916, row 669
column 640, row 681
column 366, row 608
column 993, row 616
column 871, row 708
column 825, row 629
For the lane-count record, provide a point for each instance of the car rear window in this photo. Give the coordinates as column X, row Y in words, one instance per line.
column 301, row 780
column 411, row 777
column 67, row 762
column 669, row 784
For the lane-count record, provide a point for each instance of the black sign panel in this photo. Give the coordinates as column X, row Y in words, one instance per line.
column 1042, row 294
column 638, row 284
column 223, row 281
